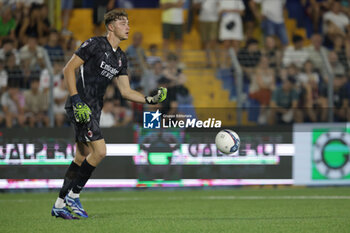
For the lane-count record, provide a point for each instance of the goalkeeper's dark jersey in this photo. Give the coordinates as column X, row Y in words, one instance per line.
column 101, row 65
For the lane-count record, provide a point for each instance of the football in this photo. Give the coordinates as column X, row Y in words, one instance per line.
column 227, row 141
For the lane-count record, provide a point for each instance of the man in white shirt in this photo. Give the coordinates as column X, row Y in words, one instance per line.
column 335, row 20
column 60, row 94
column 107, row 118
column 32, row 55
column 295, row 54
column 316, row 51
column 272, row 18
column 208, row 26
column 172, row 23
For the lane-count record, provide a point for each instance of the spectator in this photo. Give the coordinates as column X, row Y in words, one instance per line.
column 66, row 6
column 172, row 71
column 123, row 115
column 57, row 76
column 314, row 9
column 12, row 102
column 137, row 65
column 46, row 26
column 336, row 65
column 32, row 55
column 60, row 94
column 231, row 27
column 334, row 21
column 208, row 27
column 185, row 102
column 340, row 98
column 312, row 109
column 3, row 77
column 296, row 53
column 273, row 54
column 290, row 71
column 7, row 23
column 69, row 47
column 272, row 19
column 8, row 45
column 136, row 54
column 316, row 52
column 283, row 103
column 15, row 74
column 138, row 109
column 308, row 73
column 99, row 9
column 172, row 23
column 261, row 87
column 249, row 19
column 249, row 56
column 149, row 80
column 107, row 118
column 153, row 57
column 32, row 25
column 36, row 105
column 53, row 48
column 339, row 48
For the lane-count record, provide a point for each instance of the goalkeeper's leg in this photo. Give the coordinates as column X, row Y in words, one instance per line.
column 98, row 153
column 72, row 172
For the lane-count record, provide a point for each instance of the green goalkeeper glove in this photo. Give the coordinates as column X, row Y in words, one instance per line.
column 158, row 98
column 81, row 111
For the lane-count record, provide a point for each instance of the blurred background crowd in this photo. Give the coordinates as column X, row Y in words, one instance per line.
column 293, row 55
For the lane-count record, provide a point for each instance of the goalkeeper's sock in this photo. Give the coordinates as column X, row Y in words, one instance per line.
column 73, row 195
column 69, row 177
column 59, row 203
column 83, row 176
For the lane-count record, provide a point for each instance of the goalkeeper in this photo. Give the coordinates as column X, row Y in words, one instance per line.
column 101, row 61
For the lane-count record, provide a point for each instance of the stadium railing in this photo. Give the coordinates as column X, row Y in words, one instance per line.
column 48, row 65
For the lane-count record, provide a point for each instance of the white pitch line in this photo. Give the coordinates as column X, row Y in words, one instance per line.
column 84, row 199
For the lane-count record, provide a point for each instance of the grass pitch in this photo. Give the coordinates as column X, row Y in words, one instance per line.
column 235, row 210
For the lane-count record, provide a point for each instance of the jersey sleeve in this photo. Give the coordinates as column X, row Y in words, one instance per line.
column 86, row 49
column 124, row 70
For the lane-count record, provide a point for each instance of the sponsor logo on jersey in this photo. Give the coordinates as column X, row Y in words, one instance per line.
column 108, row 70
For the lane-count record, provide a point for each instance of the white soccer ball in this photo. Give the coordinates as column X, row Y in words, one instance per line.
column 227, row 141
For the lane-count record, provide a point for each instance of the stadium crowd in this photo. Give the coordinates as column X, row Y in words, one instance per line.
column 26, row 36
column 286, row 80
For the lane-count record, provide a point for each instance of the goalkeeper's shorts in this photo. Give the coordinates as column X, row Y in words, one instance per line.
column 86, row 132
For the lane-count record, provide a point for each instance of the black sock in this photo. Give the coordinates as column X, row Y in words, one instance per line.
column 70, row 175
column 83, row 176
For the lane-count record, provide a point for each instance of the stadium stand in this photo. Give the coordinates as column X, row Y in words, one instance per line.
column 205, row 86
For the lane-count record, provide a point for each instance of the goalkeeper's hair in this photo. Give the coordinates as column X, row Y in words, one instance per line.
column 112, row 15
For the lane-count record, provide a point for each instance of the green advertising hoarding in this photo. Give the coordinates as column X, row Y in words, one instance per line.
column 330, row 153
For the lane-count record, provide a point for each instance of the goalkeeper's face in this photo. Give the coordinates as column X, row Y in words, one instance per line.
column 120, row 28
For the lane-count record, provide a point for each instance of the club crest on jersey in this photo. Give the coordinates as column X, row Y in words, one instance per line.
column 120, row 62
column 86, row 43
column 89, row 133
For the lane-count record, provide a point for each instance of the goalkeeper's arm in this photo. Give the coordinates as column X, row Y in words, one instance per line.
column 124, row 87
column 81, row 111
column 69, row 73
